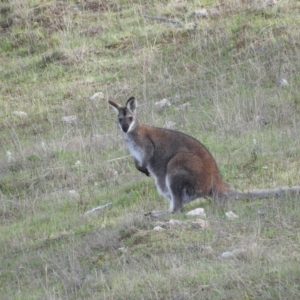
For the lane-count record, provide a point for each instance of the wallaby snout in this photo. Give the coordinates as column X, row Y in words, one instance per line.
column 124, row 127
column 125, row 123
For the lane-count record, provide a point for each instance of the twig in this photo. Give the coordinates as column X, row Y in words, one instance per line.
column 118, row 158
column 98, row 208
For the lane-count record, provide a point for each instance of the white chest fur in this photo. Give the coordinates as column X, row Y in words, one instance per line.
column 134, row 149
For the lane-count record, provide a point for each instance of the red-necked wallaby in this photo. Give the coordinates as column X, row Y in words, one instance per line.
column 182, row 167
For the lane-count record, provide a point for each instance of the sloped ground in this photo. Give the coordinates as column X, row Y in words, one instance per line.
column 238, row 70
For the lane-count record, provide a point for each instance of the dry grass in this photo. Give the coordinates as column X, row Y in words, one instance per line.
column 54, row 56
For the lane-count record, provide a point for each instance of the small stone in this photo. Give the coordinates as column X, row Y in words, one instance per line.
column 158, row 228
column 270, row 2
column 162, row 104
column 96, row 96
column 122, row 249
column 44, row 146
column 226, row 254
column 78, row 163
column 160, row 223
column 174, row 99
column 9, row 156
column 207, row 249
column 201, row 13
column 231, row 215
column 183, row 106
column 197, row 212
column 20, row 113
column 170, row 125
column 282, row 82
column 69, row 119
column 230, row 254
column 74, row 194
column 260, row 212
column 175, row 222
column 200, row 223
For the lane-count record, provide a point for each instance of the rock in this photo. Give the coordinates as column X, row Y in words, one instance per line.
column 174, row 99
column 162, row 104
column 260, row 212
column 69, row 119
column 173, row 222
column 44, row 146
column 197, row 212
column 166, row 102
column 74, row 194
column 170, row 125
column 122, row 249
column 20, row 113
column 261, row 120
column 96, row 96
column 200, row 223
column 183, row 106
column 230, row 254
column 282, row 82
column 207, row 250
column 270, row 2
column 246, row 254
column 231, row 215
column 158, row 228
column 9, row 156
column 160, row 223
column 78, row 163
column 201, row 13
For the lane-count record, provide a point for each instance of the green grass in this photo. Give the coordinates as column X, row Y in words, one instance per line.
column 54, row 57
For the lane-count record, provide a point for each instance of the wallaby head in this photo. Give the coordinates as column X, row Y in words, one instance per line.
column 126, row 114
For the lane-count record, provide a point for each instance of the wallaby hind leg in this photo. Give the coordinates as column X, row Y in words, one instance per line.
column 163, row 189
column 171, row 189
column 184, row 180
column 178, row 188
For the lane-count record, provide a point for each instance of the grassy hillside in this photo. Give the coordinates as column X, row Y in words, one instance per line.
column 238, row 68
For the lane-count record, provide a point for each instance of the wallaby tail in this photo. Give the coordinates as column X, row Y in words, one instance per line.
column 265, row 193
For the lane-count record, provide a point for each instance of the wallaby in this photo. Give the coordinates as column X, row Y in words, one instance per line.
column 182, row 167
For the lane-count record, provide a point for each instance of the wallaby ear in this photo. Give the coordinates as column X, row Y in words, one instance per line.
column 131, row 104
column 116, row 106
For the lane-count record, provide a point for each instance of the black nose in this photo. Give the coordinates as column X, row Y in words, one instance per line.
column 125, row 128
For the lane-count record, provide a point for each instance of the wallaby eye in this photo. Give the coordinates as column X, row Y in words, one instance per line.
column 130, row 119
